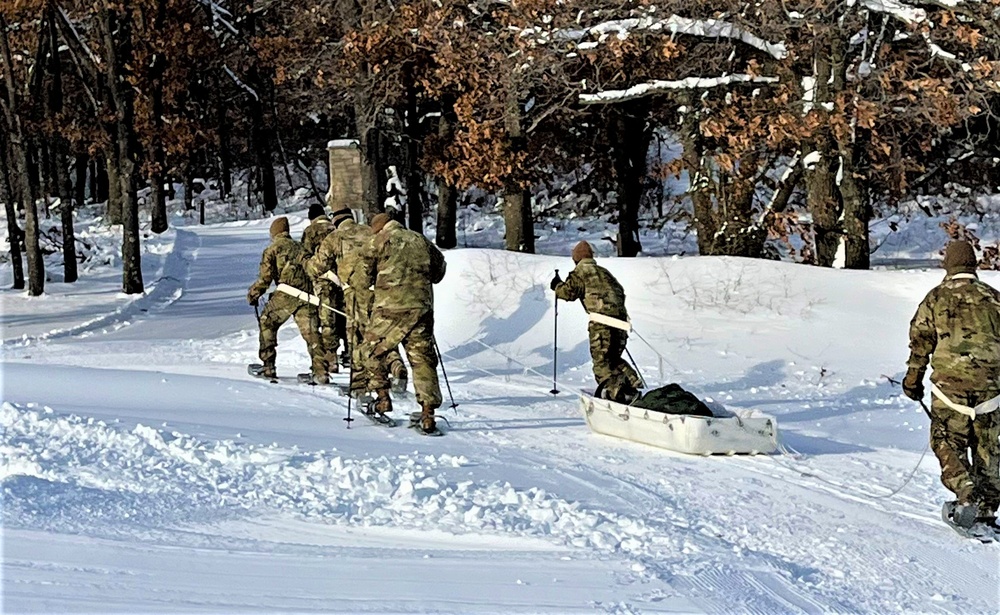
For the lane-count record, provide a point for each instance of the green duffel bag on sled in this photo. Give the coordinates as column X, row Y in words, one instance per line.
column 672, row 399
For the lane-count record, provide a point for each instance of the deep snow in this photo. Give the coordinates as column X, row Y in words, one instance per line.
column 143, row 470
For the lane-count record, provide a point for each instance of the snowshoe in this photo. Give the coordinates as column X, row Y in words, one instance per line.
column 257, row 371
column 376, row 417
column 308, row 378
column 962, row 519
column 415, row 424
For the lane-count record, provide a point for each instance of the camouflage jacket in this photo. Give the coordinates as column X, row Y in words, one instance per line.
column 594, row 285
column 404, row 267
column 347, row 251
column 313, row 236
column 957, row 327
column 281, row 263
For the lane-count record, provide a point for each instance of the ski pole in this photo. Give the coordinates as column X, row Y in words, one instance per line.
column 634, row 365
column 926, row 411
column 555, row 344
column 453, row 406
column 350, row 394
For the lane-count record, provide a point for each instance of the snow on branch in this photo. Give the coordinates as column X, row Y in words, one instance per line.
column 655, row 87
column 708, row 28
column 901, row 11
column 240, row 82
column 77, row 38
column 219, row 14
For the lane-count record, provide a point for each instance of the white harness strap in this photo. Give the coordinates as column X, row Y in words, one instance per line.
column 963, row 276
column 986, row 407
column 601, row 319
column 331, row 276
column 307, row 297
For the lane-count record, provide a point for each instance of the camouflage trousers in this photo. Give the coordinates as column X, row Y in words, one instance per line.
column 279, row 309
column 968, row 450
column 357, row 306
column 414, row 329
column 329, row 321
column 607, row 345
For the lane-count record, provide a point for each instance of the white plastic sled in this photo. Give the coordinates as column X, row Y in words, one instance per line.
column 750, row 433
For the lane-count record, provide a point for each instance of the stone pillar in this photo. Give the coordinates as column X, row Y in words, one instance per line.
column 345, row 177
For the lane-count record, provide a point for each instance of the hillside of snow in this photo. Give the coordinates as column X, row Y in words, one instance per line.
column 144, row 471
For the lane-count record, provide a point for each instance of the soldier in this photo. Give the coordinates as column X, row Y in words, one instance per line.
column 604, row 299
column 404, row 268
column 347, row 250
column 957, row 328
column 328, row 292
column 281, row 263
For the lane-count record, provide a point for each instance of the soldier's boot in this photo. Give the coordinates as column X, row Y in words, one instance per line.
column 427, row 423
column 269, row 371
column 382, row 403
column 399, row 377
column 987, row 514
column 964, row 514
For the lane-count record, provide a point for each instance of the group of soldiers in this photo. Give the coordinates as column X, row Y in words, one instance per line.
column 381, row 278
column 374, row 286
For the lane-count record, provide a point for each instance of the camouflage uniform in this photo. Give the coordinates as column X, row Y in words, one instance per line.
column 281, row 263
column 327, row 291
column 404, row 267
column 957, row 327
column 601, row 293
column 348, row 249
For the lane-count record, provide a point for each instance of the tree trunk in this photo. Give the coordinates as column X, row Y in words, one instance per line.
column 447, row 204
column 46, row 186
column 19, row 145
column 631, row 144
column 372, row 183
column 413, row 135
column 80, row 185
column 14, row 234
column 189, row 187
column 158, row 198
column 698, row 181
column 118, row 43
column 114, row 205
column 100, row 183
column 36, row 264
column 856, row 215
column 519, row 227
column 59, row 166
column 62, row 177
column 225, row 159
column 822, row 197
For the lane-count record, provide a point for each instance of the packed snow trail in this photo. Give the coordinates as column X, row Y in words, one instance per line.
column 143, row 469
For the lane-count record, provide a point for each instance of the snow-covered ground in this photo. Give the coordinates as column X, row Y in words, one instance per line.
column 144, row 471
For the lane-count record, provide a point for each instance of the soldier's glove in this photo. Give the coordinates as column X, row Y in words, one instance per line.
column 253, row 297
column 556, row 281
column 913, row 385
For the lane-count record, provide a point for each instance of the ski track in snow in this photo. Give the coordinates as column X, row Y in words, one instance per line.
column 720, row 535
column 167, row 288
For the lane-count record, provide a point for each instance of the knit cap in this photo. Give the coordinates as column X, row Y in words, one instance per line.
column 279, row 226
column 960, row 257
column 379, row 221
column 581, row 251
column 316, row 210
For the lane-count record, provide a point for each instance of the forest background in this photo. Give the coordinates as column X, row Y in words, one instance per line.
column 775, row 129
